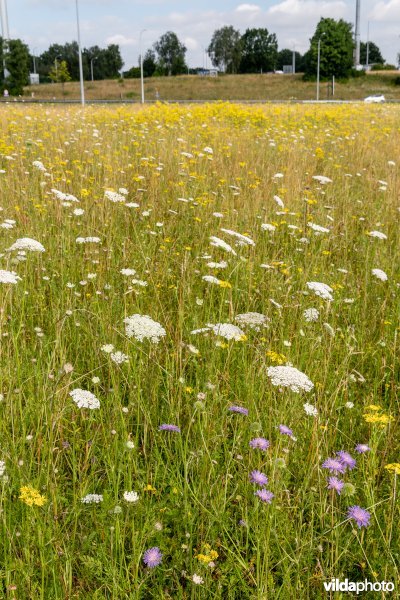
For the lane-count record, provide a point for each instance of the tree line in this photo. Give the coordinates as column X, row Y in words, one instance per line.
column 254, row 51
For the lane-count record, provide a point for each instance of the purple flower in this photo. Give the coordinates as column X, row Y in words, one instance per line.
column 239, row 409
column 258, row 478
column 168, row 427
column 334, row 465
column 335, row 484
column 242, row 523
column 264, row 495
column 360, row 515
column 260, row 443
column 361, row 448
column 285, row 430
column 346, row 459
column 152, row 557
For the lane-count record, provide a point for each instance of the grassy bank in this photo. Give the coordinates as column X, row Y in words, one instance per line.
column 225, row 87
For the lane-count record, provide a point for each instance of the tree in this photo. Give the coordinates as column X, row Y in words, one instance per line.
column 225, row 49
column 285, row 57
column 374, row 54
column 171, row 54
column 149, row 63
column 259, row 51
column 336, row 50
column 14, row 55
column 60, row 74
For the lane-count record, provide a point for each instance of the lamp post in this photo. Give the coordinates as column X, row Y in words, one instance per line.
column 367, row 61
column 294, row 60
column 34, row 59
column 318, row 66
column 80, row 56
column 141, row 65
column 91, row 66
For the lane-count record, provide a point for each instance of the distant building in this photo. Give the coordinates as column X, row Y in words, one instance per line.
column 207, row 72
column 34, row 78
column 288, row 69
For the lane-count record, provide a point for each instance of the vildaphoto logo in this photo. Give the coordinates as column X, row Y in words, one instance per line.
column 336, row 585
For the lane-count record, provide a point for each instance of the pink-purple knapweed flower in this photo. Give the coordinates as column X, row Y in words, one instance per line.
column 346, row 459
column 169, row 427
column 152, row 557
column 259, row 442
column 362, row 448
column 335, row 484
column 285, row 430
column 258, row 478
column 239, row 409
column 264, row 495
column 360, row 515
column 334, row 465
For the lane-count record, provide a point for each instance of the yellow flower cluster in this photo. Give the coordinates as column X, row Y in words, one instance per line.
column 208, row 555
column 375, row 416
column 395, row 467
column 31, row 497
column 275, row 357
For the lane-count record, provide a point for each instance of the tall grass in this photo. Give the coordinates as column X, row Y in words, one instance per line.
column 196, row 502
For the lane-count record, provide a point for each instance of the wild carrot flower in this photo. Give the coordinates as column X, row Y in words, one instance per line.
column 9, row 277
column 285, row 376
column 142, row 327
column 322, row 290
column 26, row 244
column 84, row 399
column 92, row 499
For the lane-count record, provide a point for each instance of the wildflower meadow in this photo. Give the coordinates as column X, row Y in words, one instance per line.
column 199, row 373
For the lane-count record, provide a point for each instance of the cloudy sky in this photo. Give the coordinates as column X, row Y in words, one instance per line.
column 42, row 22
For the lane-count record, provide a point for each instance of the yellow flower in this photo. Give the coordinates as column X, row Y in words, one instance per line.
column 276, row 358
column 395, row 467
column 31, row 497
column 224, row 284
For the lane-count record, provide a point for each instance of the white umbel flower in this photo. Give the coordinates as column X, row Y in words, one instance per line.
column 218, row 243
column 377, row 234
column 88, row 240
column 268, row 227
column 2, row 468
column 84, row 399
column 310, row 410
column 142, row 327
column 211, row 279
column 379, row 274
column 92, row 499
column 311, row 315
column 119, row 358
column 39, row 165
column 131, row 497
column 322, row 179
column 318, row 228
column 322, row 290
column 114, row 196
column 128, row 272
column 228, row 331
column 290, row 377
column 9, row 277
column 242, row 239
column 26, row 244
column 254, row 320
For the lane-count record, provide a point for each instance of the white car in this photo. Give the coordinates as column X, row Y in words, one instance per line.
column 375, row 99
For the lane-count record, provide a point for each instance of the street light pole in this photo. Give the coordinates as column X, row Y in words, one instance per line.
column 91, row 67
column 80, row 56
column 141, row 65
column 318, row 66
column 294, row 60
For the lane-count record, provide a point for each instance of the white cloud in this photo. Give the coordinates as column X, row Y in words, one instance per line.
column 303, row 12
column 247, row 8
column 386, row 11
column 121, row 40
